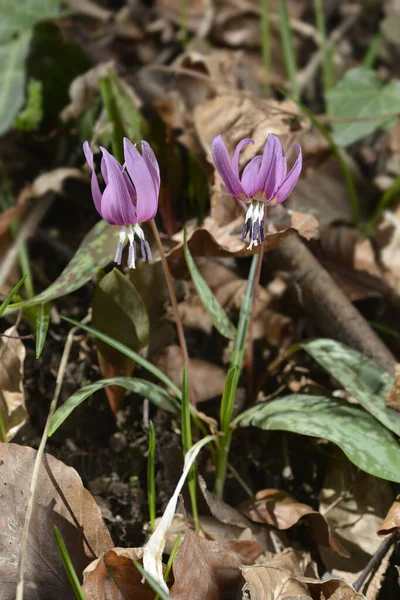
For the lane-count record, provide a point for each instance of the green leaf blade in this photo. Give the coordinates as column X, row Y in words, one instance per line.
column 364, row 441
column 219, row 317
column 42, row 326
column 156, row 394
column 361, row 377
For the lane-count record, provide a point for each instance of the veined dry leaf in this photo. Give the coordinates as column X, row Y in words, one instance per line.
column 60, row 500
column 202, row 569
column 354, row 504
column 206, row 380
column 12, row 398
column 277, row 578
column 393, row 396
column 281, row 510
column 113, row 576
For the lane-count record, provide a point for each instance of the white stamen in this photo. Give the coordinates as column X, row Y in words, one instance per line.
column 255, row 213
column 132, row 249
column 118, row 254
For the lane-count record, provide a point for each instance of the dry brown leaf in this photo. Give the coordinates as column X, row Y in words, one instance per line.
column 331, row 589
column 206, row 380
column 391, row 522
column 60, row 500
column 281, row 510
column 114, row 576
column 8, row 216
column 202, row 569
column 277, row 578
column 12, row 398
column 354, row 504
column 387, row 238
column 83, row 90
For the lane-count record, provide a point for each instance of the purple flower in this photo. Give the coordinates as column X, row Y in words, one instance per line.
column 264, row 179
column 130, row 196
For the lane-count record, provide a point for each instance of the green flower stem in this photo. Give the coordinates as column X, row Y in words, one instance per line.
column 288, row 48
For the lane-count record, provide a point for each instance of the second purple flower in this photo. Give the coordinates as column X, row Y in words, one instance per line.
column 264, row 179
column 130, row 196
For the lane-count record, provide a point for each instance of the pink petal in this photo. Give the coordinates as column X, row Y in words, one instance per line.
column 146, row 196
column 291, row 178
column 236, row 154
column 249, row 175
column 116, row 206
column 222, row 163
column 96, row 193
column 265, row 180
column 152, row 164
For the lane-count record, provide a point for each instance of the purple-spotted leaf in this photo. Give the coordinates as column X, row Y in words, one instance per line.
column 96, row 250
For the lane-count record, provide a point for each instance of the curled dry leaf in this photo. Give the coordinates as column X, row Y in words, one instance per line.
column 278, row 577
column 202, row 569
column 206, row 380
column 354, row 504
column 61, row 500
column 113, row 576
column 12, row 398
column 393, row 396
column 281, row 510
column 8, row 216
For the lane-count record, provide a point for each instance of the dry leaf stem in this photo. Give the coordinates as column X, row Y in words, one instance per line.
column 38, row 464
column 174, row 302
column 332, row 311
column 375, row 561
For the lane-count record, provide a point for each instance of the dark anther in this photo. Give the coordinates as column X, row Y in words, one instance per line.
column 262, row 230
column 245, row 229
column 256, row 229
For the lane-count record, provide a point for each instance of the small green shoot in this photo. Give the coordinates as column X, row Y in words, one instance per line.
column 288, row 48
column 42, row 326
column 391, row 194
column 171, row 560
column 151, row 486
column 11, row 294
column 68, row 566
column 113, row 117
column 187, row 444
column 3, row 431
column 152, row 582
column 231, row 382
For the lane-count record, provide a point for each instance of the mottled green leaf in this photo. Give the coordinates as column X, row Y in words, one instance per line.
column 42, row 326
column 219, row 317
column 12, row 76
column 361, row 377
column 119, row 312
column 96, row 250
column 18, row 15
column 156, row 394
column 365, row 442
column 360, row 93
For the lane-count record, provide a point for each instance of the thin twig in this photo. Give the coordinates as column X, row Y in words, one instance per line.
column 375, row 561
column 38, row 464
column 174, row 302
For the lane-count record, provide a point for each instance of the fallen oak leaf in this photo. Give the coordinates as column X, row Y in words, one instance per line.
column 62, row 501
column 391, row 522
column 281, row 510
column 203, row 569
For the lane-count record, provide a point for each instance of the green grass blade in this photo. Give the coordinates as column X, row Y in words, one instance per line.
column 152, row 583
column 69, row 567
column 151, row 486
column 390, row 194
column 11, row 295
column 156, row 394
column 130, row 354
column 327, row 62
column 219, row 317
column 3, row 431
column 170, row 560
column 266, row 44
column 288, row 48
column 42, row 326
column 187, row 443
column 113, row 117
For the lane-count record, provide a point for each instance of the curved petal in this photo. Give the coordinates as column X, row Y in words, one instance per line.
column 222, row 163
column 236, row 154
column 152, row 164
column 94, row 184
column 291, row 178
column 265, row 180
column 249, row 175
column 117, row 207
column 146, row 197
